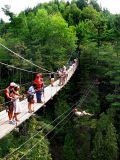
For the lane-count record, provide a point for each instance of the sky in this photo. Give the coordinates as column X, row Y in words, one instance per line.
column 112, row 5
column 19, row 5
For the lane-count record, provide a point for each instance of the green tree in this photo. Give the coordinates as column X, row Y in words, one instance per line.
column 52, row 38
column 81, row 3
column 72, row 14
column 89, row 13
column 95, row 5
column 69, row 148
column 7, row 12
column 105, row 142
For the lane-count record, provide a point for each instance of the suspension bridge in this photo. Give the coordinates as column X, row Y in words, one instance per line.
column 49, row 92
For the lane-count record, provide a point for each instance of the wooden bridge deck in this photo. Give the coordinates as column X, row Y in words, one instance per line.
column 49, row 92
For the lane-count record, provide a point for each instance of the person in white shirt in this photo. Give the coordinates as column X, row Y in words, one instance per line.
column 17, row 106
column 80, row 113
column 65, row 73
column 60, row 76
column 31, row 92
column 52, row 78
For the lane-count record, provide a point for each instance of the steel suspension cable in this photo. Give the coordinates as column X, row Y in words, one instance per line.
column 80, row 101
column 53, row 128
column 17, row 68
column 24, row 58
column 44, row 136
column 60, row 128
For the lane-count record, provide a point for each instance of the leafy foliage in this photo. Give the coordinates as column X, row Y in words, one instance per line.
column 47, row 35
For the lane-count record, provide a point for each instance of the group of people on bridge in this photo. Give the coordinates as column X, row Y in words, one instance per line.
column 12, row 95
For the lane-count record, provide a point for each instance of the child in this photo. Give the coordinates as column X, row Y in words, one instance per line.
column 31, row 92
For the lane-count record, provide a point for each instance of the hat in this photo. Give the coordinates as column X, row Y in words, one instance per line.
column 12, row 84
column 16, row 85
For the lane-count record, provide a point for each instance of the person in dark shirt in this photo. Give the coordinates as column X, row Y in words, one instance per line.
column 52, row 78
column 9, row 101
column 31, row 92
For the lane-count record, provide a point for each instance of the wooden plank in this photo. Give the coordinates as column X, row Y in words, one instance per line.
column 49, row 92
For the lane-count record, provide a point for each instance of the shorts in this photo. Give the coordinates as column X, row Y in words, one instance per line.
column 9, row 106
column 52, row 79
column 30, row 98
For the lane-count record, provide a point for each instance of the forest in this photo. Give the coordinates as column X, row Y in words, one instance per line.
column 50, row 35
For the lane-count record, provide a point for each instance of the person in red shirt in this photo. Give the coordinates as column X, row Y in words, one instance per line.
column 38, row 82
